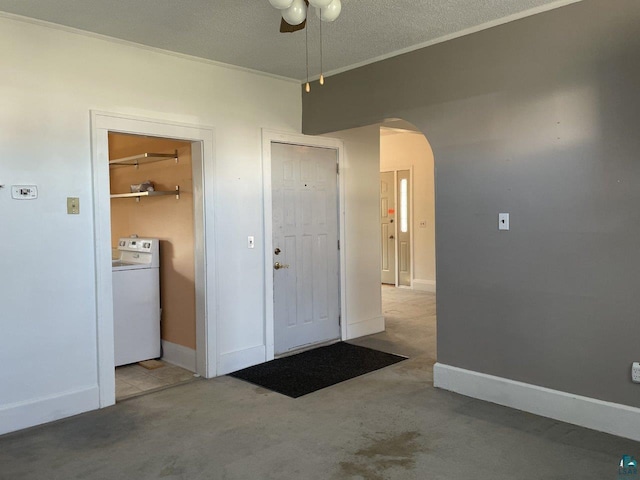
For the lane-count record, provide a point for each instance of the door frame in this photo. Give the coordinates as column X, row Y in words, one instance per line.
column 202, row 138
column 395, row 171
column 268, row 137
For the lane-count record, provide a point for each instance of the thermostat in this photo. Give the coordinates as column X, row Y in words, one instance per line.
column 24, row 192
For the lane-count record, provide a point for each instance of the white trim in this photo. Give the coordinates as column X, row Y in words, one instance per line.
column 366, row 327
column 204, row 336
column 608, row 417
column 269, row 136
column 128, row 43
column 206, row 280
column 17, row 416
column 179, row 355
column 234, row 361
column 424, row 285
column 446, row 38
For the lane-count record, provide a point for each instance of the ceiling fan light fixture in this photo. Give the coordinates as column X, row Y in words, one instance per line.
column 320, row 3
column 280, row 4
column 331, row 12
column 296, row 13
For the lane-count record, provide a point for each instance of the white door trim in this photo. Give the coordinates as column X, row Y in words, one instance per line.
column 269, row 136
column 205, row 272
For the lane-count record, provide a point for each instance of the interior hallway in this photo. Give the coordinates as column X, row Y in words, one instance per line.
column 390, row 424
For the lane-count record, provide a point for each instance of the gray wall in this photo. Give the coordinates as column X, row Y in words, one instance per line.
column 539, row 118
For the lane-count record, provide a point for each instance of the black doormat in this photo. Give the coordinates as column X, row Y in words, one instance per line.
column 313, row 370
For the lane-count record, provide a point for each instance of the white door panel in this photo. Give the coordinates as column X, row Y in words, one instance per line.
column 305, row 242
column 387, row 227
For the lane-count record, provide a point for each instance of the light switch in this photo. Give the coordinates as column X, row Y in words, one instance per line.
column 503, row 221
column 251, row 242
column 73, row 205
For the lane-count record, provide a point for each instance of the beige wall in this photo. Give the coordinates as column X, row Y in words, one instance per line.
column 359, row 172
column 165, row 218
column 402, row 151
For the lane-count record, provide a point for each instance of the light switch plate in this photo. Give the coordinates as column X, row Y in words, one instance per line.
column 73, row 205
column 251, row 242
column 503, row 221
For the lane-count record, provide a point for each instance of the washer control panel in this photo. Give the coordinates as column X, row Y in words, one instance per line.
column 136, row 244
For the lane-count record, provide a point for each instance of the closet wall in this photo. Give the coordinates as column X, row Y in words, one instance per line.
column 164, row 217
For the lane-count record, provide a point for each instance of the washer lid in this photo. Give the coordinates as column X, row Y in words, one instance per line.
column 120, row 265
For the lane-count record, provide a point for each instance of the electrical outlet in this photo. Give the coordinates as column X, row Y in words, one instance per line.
column 635, row 372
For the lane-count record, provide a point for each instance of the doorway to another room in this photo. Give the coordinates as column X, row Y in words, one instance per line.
column 407, row 232
column 407, row 208
column 152, row 238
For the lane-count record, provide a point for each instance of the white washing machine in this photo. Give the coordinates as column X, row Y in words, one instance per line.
column 136, row 300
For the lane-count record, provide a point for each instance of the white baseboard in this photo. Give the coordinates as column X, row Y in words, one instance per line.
column 179, row 355
column 234, row 361
column 424, row 285
column 366, row 327
column 16, row 416
column 608, row 417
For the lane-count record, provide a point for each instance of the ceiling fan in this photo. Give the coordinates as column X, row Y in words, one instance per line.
column 294, row 12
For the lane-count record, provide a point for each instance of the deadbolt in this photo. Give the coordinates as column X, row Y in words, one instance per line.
column 277, row 251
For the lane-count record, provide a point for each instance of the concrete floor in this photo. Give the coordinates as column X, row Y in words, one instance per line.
column 390, row 424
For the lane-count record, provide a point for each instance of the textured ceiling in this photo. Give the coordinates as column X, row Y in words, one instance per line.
column 245, row 32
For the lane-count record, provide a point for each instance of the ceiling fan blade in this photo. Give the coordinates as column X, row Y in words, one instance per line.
column 286, row 27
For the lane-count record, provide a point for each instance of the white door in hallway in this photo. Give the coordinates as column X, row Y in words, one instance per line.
column 306, row 286
column 387, row 227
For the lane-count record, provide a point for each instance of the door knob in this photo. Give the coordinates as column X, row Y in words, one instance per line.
column 278, row 266
column 391, row 237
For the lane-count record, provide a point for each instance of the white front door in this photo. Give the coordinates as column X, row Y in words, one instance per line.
column 387, row 227
column 306, row 287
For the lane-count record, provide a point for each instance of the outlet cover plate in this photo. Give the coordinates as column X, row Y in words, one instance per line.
column 635, row 372
column 73, row 205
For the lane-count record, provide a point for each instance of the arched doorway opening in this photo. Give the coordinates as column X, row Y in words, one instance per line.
column 390, row 219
